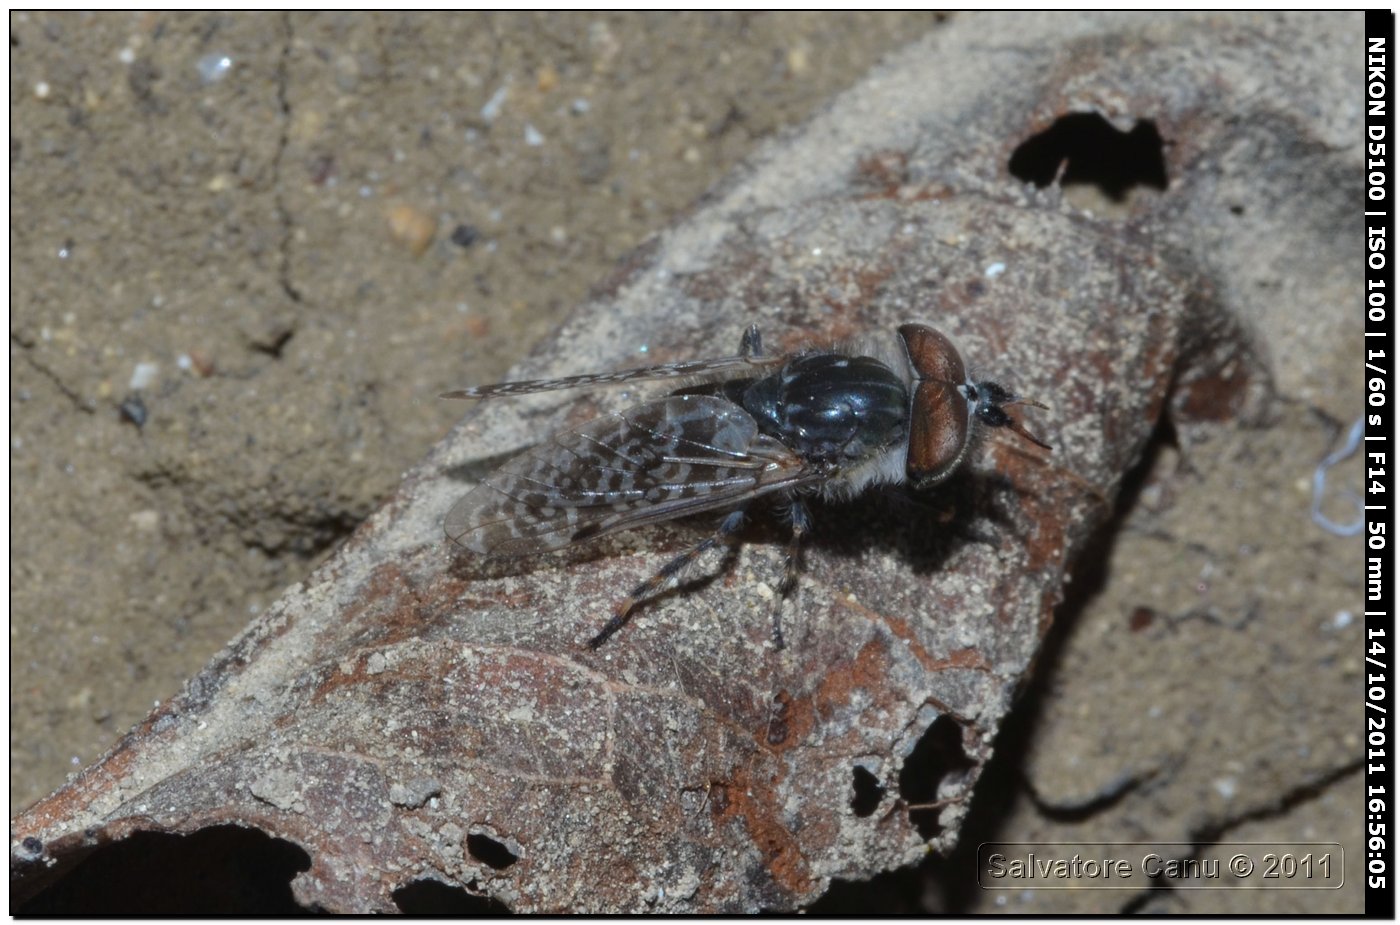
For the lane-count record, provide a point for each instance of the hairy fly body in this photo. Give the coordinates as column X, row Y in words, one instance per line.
column 818, row 422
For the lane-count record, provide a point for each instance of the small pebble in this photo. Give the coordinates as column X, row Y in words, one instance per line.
column 492, row 109
column 797, row 60
column 142, row 376
column 321, row 168
column 464, row 235
column 547, row 79
column 533, row 138
column 202, row 363
column 214, row 67
column 133, row 409
column 412, row 227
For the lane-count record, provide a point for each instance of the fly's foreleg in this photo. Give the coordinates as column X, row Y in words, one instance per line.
column 728, row 528
column 751, row 344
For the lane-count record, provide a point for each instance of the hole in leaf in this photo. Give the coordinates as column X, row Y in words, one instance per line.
column 433, row 897
column 939, row 754
column 490, row 852
column 221, row 870
column 868, row 791
column 893, row 892
column 1093, row 153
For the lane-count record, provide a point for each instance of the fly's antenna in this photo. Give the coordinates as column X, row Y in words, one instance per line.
column 991, row 401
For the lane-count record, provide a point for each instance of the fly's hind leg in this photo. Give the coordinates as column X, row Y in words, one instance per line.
column 728, row 528
column 801, row 523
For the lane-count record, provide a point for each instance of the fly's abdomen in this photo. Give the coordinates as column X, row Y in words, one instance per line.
column 831, row 408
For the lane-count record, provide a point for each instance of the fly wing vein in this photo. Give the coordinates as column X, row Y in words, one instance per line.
column 694, row 368
column 653, row 462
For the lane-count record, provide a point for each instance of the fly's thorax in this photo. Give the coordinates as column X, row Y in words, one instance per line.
column 832, row 408
column 886, row 467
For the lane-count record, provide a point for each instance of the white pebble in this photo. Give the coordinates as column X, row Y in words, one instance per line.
column 143, row 375
column 492, row 109
column 213, row 68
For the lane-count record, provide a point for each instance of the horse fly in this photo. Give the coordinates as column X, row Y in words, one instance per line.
column 816, row 422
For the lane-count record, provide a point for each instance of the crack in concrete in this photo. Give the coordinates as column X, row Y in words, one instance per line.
column 82, row 404
column 1210, row 837
column 284, row 215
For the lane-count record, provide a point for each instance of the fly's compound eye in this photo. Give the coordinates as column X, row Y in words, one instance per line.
column 944, row 405
column 932, row 356
column 938, row 411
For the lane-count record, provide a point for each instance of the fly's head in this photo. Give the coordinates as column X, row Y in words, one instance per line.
column 946, row 407
column 988, row 402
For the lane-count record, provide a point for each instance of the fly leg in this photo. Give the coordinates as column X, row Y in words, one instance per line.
column 751, row 344
column 728, row 528
column 801, row 523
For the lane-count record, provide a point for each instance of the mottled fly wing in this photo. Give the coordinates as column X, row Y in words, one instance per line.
column 652, row 462
column 702, row 369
